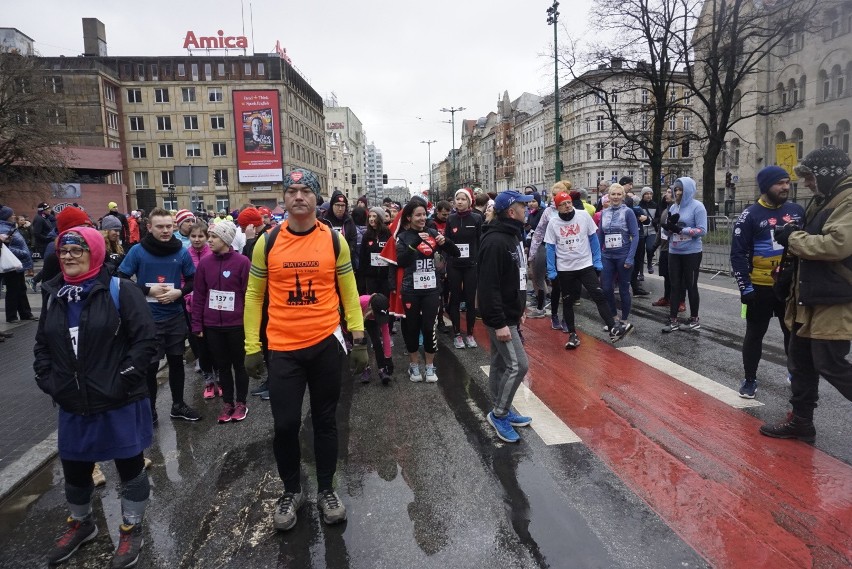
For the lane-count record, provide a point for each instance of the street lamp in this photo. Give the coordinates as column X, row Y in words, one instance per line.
column 429, row 143
column 452, row 111
column 552, row 18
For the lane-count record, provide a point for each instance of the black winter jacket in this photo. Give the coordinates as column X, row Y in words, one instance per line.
column 501, row 256
column 113, row 350
column 410, row 258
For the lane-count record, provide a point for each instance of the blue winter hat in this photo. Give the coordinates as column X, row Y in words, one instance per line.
column 302, row 176
column 5, row 213
column 770, row 176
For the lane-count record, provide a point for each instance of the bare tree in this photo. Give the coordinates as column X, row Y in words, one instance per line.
column 726, row 51
column 634, row 73
column 30, row 124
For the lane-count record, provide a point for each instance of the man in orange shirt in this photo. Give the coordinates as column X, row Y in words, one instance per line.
column 307, row 274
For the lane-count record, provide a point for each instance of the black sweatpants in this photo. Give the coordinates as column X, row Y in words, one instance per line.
column 664, row 272
column 569, row 285
column 807, row 359
column 462, row 281
column 683, row 275
column 318, row 367
column 421, row 316
column 79, row 473
column 17, row 303
column 758, row 315
column 228, row 348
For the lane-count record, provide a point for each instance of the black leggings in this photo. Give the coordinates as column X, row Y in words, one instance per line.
column 421, row 316
column 228, row 348
column 177, row 378
column 374, row 330
column 683, row 275
column 199, row 348
column 555, row 293
column 569, row 284
column 664, row 272
column 79, row 473
column 758, row 316
column 462, row 282
column 318, row 368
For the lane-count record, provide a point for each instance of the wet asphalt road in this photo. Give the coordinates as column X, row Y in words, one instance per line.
column 425, row 481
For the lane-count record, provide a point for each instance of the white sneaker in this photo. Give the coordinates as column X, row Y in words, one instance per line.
column 458, row 342
column 471, row 342
column 431, row 376
column 414, row 374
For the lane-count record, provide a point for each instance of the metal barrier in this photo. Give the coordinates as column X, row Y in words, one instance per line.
column 717, row 245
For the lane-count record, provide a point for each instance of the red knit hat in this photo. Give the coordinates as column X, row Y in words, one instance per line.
column 184, row 215
column 72, row 217
column 250, row 216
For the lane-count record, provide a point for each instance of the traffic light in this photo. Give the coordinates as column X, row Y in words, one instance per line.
column 728, row 180
column 353, row 179
column 384, row 179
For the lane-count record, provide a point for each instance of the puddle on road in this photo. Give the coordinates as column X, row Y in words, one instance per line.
column 13, row 510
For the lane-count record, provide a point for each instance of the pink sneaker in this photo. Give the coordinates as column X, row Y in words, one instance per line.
column 210, row 391
column 218, row 389
column 240, row 412
column 227, row 413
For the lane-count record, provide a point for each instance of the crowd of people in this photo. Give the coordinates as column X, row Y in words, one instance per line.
column 299, row 296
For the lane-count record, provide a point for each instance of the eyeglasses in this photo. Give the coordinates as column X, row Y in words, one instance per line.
column 74, row 253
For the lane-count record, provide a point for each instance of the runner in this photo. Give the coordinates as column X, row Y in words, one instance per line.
column 619, row 238
column 574, row 257
column 465, row 229
column 374, row 269
column 199, row 249
column 217, row 317
column 538, row 263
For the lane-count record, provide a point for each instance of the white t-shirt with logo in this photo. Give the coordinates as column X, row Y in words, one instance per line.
column 571, row 238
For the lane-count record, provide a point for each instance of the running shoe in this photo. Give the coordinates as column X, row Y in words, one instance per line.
column 555, row 324
column 694, row 323
column 184, row 411
column 414, row 373
column 430, row 375
column 638, row 291
column 470, row 341
column 621, row 330
column 536, row 313
column 218, row 389
column 331, row 508
column 98, row 477
column 518, row 420
column 130, row 542
column 564, row 326
column 76, row 534
column 792, row 428
column 261, row 389
column 458, row 342
column 748, row 388
column 672, row 326
column 288, row 505
column 504, row 429
column 225, row 415
column 365, row 375
column 662, row 301
column 210, row 391
column 573, row 341
column 240, row 412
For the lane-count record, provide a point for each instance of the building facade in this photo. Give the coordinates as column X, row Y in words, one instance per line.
column 346, row 127
column 373, row 174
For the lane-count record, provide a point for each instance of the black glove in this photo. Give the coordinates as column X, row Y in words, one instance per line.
column 782, row 234
column 671, row 224
column 748, row 296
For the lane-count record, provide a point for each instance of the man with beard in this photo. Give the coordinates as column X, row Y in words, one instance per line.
column 819, row 307
column 338, row 217
column 754, row 254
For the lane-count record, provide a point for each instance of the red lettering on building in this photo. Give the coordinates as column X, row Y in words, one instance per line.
column 219, row 41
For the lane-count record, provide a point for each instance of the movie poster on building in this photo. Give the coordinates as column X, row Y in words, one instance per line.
column 258, row 136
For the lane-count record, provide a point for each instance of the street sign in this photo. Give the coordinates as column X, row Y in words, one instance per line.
column 785, row 156
column 735, row 179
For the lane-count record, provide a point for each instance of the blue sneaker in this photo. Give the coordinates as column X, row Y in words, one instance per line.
column 504, row 429
column 518, row 420
column 748, row 388
column 555, row 324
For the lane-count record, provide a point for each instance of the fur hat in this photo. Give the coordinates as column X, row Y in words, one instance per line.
column 224, row 230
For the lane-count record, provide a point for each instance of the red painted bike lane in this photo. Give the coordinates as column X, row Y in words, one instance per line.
column 738, row 498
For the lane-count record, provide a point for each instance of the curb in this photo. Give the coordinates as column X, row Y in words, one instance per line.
column 14, row 475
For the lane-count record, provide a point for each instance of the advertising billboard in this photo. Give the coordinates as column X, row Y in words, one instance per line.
column 258, row 136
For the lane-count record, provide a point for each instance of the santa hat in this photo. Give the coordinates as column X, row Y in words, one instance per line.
column 467, row 193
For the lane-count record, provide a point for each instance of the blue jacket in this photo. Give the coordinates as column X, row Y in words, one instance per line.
column 619, row 220
column 151, row 269
column 693, row 221
column 17, row 245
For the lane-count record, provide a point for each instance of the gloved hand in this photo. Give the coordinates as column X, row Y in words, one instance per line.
column 782, row 234
column 359, row 358
column 671, row 224
column 254, row 364
column 748, row 295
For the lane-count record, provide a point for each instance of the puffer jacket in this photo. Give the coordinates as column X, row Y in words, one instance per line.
column 114, row 349
column 830, row 245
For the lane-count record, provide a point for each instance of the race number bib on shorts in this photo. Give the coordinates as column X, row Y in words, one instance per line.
column 425, row 280
column 221, row 300
column 169, row 286
column 612, row 240
column 377, row 261
column 464, row 249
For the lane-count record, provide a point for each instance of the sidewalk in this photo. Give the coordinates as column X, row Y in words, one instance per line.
column 28, row 423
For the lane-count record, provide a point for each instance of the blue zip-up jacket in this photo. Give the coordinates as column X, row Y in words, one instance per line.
column 619, row 220
column 151, row 269
column 17, row 245
column 693, row 220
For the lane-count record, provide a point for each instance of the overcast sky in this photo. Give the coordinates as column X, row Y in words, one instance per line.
column 394, row 63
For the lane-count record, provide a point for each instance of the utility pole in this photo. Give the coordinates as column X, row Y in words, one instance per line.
column 553, row 18
column 453, row 111
column 429, row 143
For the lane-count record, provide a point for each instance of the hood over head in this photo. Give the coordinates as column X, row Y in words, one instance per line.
column 688, row 185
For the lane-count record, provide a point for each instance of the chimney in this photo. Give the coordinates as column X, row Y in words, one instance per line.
column 94, row 38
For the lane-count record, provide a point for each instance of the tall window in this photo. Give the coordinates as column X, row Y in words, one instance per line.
column 219, row 149
column 673, row 122
column 613, row 149
column 161, row 95
column 220, row 177
column 167, row 177
column 190, row 122
column 217, row 122
column 167, row 150
column 686, row 122
column 673, row 151
column 646, row 96
column 193, row 150
column 164, row 123
column 169, row 202
column 138, row 151
column 588, row 125
column 137, row 123
column 112, row 120
column 214, row 95
column 134, row 95
column 188, row 94
column 588, row 152
column 109, row 92
column 601, row 150
column 181, row 70
column 600, row 122
column 141, row 179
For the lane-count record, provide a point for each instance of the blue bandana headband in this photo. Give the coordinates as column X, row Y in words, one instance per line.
column 302, row 176
column 74, row 239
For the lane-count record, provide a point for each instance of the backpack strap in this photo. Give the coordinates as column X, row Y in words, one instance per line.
column 270, row 240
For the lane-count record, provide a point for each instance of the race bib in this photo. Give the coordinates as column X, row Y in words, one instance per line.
column 612, row 240
column 377, row 261
column 680, row 237
column 464, row 249
column 425, row 280
column 523, row 281
column 169, row 286
column 775, row 245
column 571, row 243
column 664, row 236
column 221, row 300
column 75, row 333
